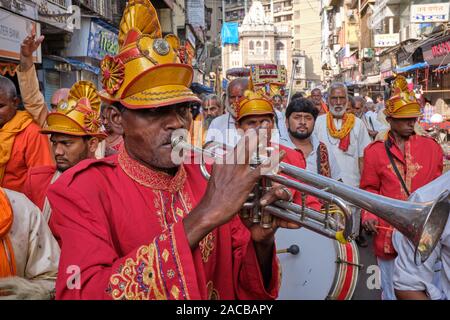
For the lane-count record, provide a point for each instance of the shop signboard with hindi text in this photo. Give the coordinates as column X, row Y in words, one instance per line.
column 13, row 29
column 432, row 12
column 386, row 40
column 437, row 53
column 102, row 42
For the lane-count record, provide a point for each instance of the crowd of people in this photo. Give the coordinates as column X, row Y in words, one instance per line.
column 94, row 207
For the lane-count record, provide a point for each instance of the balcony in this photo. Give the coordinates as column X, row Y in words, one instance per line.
column 232, row 5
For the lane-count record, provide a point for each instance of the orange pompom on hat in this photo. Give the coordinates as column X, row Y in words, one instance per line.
column 146, row 73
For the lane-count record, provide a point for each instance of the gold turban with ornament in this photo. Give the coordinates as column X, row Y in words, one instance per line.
column 268, row 80
column 253, row 104
column 79, row 115
column 146, row 73
column 403, row 103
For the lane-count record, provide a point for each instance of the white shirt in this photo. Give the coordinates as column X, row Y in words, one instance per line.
column 348, row 161
column 223, row 130
column 372, row 121
column 311, row 160
column 36, row 251
column 411, row 277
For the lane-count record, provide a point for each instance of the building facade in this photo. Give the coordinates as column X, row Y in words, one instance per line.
column 307, row 38
column 260, row 42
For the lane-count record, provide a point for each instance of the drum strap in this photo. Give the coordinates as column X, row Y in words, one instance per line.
column 387, row 146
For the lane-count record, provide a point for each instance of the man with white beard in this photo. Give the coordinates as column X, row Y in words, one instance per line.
column 344, row 135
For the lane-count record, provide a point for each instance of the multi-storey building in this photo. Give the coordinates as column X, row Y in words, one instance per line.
column 260, row 42
column 306, row 24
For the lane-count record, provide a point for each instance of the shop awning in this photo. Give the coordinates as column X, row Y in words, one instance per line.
column 49, row 63
column 445, row 68
column 199, row 88
column 82, row 66
column 413, row 67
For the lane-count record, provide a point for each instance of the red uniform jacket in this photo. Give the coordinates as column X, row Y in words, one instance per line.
column 297, row 159
column 37, row 183
column 120, row 228
column 422, row 163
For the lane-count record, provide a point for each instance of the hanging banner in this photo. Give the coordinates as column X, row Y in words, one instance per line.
column 230, row 33
column 196, row 13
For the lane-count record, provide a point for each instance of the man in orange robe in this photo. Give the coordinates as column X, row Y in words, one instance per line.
column 22, row 147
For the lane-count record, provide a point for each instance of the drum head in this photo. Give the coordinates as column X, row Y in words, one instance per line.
column 310, row 274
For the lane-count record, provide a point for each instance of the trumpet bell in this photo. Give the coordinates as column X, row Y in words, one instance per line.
column 426, row 229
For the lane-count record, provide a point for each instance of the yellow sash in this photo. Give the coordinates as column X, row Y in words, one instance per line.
column 348, row 121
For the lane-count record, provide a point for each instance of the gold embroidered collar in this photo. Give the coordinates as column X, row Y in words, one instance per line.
column 151, row 178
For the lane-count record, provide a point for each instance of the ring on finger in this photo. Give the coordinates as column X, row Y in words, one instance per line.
column 289, row 193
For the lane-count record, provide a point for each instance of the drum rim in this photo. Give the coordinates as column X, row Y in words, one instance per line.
column 343, row 271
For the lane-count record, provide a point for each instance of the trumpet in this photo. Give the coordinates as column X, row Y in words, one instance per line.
column 422, row 223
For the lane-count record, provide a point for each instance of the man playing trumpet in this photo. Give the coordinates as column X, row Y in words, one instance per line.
column 139, row 226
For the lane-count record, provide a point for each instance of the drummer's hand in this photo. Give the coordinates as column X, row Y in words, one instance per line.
column 370, row 225
column 259, row 234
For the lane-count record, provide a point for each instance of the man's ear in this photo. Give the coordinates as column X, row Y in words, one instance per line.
column 114, row 116
column 16, row 102
column 93, row 144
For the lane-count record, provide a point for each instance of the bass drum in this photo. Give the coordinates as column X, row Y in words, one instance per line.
column 321, row 269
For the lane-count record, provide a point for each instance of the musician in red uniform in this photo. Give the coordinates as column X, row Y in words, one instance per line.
column 395, row 167
column 256, row 112
column 136, row 224
column 75, row 133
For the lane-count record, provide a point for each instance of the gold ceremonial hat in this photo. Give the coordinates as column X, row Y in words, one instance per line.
column 79, row 115
column 146, row 73
column 269, row 80
column 403, row 103
column 253, row 104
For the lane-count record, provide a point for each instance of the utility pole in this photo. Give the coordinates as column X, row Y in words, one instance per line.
column 360, row 67
column 222, row 45
column 223, row 11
